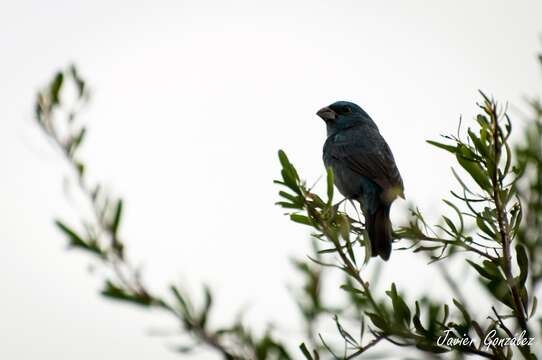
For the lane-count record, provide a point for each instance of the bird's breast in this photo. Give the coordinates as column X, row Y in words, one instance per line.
column 347, row 181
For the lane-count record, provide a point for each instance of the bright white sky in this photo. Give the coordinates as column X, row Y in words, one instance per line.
column 192, row 99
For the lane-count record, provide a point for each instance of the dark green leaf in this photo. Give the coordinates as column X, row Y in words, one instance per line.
column 114, row 292
column 287, row 205
column 465, row 157
column 446, row 313
column 117, row 218
column 77, row 242
column 533, row 307
column 351, row 289
column 302, row 219
column 55, row 87
column 523, row 263
column 329, row 185
column 416, row 321
column 78, row 80
column 305, row 352
column 482, row 271
column 78, row 140
column 184, row 305
column 480, row 147
column 450, row 224
column 449, row 148
column 463, row 311
column 72, row 235
column 377, row 321
column 206, row 307
column 400, row 308
column 481, row 223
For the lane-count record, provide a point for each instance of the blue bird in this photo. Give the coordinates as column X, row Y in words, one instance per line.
column 364, row 169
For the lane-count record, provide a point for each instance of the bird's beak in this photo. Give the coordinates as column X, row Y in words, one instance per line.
column 326, row 114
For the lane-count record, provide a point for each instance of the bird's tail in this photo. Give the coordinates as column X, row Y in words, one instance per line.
column 380, row 232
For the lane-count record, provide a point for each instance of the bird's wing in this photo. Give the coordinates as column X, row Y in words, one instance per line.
column 376, row 163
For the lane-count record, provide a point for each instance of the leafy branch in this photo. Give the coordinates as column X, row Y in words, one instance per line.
column 494, row 230
column 488, row 220
column 100, row 237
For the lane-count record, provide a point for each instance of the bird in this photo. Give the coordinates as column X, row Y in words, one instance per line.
column 364, row 169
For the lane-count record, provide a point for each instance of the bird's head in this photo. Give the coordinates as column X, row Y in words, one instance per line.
column 342, row 115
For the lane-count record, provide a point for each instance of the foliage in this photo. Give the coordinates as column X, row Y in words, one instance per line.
column 495, row 230
column 488, row 215
column 100, row 237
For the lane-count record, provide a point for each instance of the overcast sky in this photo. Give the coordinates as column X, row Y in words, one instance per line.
column 191, row 101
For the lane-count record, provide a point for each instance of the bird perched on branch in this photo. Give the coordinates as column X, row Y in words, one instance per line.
column 364, row 169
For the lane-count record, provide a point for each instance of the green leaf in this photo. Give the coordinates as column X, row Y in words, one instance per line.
column 206, row 307
column 117, row 293
column 482, row 120
column 302, row 219
column 344, row 226
column 78, row 80
column 480, row 147
column 493, row 269
column 427, row 248
column 286, row 205
column 185, row 306
column 329, row 185
column 289, row 173
column 78, row 140
column 500, row 290
column 351, row 289
column 288, row 167
column 293, row 198
column 377, row 321
column 367, row 245
column 508, row 160
column 305, row 351
column 400, row 308
column 344, row 230
column 458, row 212
column 463, row 311
column 72, row 235
column 327, row 251
column 523, row 263
column 446, row 313
column 416, row 321
column 480, row 222
column 450, row 148
column 77, row 242
column 465, row 157
column 450, row 224
column 350, row 251
column 117, row 218
column 80, row 168
column 533, row 307
column 283, row 158
column 55, row 87
column 488, row 275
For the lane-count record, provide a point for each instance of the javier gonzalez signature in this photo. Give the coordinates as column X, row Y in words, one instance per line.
column 491, row 340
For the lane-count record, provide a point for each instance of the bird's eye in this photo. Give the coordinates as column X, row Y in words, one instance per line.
column 347, row 109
